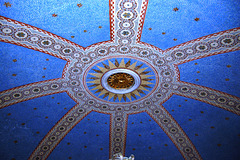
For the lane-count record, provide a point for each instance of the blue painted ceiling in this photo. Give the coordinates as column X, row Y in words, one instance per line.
column 215, row 132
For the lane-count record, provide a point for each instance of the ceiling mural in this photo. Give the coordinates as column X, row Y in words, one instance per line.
column 131, row 86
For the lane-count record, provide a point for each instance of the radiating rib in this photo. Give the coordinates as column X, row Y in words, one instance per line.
column 118, row 131
column 217, row 43
column 59, row 131
column 126, row 17
column 30, row 91
column 208, row 95
column 174, row 132
column 24, row 35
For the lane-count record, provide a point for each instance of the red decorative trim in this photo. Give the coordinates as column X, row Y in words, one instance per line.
column 125, row 136
column 111, row 19
column 97, row 44
column 141, row 19
column 73, row 98
column 110, row 136
column 65, row 69
column 177, row 71
column 151, row 46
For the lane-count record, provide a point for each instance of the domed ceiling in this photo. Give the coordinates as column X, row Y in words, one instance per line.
column 84, row 80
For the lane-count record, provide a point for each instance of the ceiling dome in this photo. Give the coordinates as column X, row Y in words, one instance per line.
column 119, row 78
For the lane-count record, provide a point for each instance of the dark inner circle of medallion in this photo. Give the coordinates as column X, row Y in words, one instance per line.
column 120, row 81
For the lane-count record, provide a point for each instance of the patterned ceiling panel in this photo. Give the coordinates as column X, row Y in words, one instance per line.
column 119, row 77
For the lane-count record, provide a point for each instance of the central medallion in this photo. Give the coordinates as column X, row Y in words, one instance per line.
column 120, row 80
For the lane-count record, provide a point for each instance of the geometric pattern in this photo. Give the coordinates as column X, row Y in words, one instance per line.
column 146, row 75
column 126, row 21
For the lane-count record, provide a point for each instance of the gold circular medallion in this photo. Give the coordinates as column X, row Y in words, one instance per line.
column 120, row 80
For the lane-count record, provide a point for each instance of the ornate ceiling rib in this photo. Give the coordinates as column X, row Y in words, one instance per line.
column 126, row 19
column 118, row 132
column 173, row 130
column 24, row 35
column 81, row 78
column 217, row 43
column 208, row 95
column 31, row 91
column 59, row 131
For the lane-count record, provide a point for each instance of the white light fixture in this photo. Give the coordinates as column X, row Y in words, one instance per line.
column 119, row 156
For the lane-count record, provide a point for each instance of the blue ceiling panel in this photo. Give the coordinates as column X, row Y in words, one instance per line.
column 18, row 63
column 87, row 140
column 84, row 80
column 88, row 24
column 23, row 125
column 146, row 140
column 165, row 28
column 220, row 72
column 215, row 137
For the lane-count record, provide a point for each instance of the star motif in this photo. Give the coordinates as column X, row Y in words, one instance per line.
column 79, row 5
column 100, row 27
column 228, row 66
column 72, row 36
column 175, row 39
column 150, row 29
column 175, row 9
column 7, row 4
column 54, row 15
column 197, row 19
column 163, row 33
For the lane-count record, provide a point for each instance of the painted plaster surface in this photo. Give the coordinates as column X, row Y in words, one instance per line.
column 54, row 103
